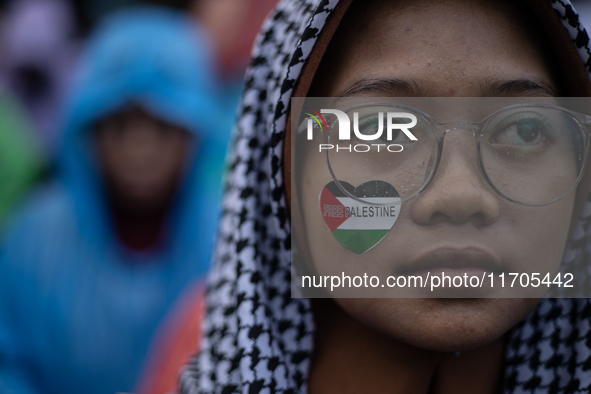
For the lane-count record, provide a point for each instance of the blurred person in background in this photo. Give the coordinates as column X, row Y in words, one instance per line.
column 93, row 264
column 20, row 164
column 39, row 43
column 233, row 44
column 38, row 56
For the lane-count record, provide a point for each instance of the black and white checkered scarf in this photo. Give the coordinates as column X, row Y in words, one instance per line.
column 257, row 339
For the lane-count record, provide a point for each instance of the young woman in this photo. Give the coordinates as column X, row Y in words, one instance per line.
column 259, row 339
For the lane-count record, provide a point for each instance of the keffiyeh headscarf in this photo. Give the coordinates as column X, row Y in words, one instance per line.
column 257, row 339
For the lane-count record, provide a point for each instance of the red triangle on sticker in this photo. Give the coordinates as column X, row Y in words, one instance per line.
column 332, row 210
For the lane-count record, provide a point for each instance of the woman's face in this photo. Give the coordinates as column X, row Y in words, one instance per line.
column 452, row 48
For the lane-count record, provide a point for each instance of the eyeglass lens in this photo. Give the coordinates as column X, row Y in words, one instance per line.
column 530, row 154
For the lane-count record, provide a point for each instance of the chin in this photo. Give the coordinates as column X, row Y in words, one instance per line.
column 451, row 332
column 446, row 325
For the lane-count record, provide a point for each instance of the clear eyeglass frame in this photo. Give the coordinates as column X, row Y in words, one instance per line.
column 478, row 130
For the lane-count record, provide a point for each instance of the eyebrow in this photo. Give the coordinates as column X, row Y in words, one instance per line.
column 388, row 85
column 531, row 87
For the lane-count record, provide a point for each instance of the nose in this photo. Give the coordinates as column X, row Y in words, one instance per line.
column 459, row 193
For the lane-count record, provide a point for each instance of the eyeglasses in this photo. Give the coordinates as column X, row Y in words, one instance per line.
column 532, row 154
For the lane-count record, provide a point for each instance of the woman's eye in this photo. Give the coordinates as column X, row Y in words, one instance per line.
column 370, row 126
column 521, row 132
column 398, row 136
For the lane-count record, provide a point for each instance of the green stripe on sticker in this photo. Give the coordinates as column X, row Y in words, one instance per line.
column 360, row 220
column 359, row 241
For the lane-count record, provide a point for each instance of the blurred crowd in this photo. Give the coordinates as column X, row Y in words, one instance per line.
column 115, row 116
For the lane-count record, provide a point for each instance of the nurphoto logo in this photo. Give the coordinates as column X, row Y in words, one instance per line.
column 394, row 121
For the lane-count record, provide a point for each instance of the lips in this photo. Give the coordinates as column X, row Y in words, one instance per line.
column 454, row 261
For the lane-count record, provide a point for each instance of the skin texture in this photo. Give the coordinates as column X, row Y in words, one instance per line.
column 451, row 48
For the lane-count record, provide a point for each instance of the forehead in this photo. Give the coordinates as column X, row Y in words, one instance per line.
column 436, row 48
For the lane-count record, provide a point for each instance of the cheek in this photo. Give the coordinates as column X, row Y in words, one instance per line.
column 536, row 236
column 329, row 257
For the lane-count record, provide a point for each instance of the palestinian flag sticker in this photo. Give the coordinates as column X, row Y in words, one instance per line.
column 357, row 225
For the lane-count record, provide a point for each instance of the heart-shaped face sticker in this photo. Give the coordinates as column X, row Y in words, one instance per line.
column 359, row 226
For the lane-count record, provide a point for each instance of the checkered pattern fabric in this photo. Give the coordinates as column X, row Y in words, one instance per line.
column 257, row 339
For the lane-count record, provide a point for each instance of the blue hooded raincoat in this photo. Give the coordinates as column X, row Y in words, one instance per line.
column 77, row 310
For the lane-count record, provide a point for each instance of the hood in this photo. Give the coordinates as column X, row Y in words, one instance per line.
column 157, row 59
column 256, row 336
column 37, row 63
